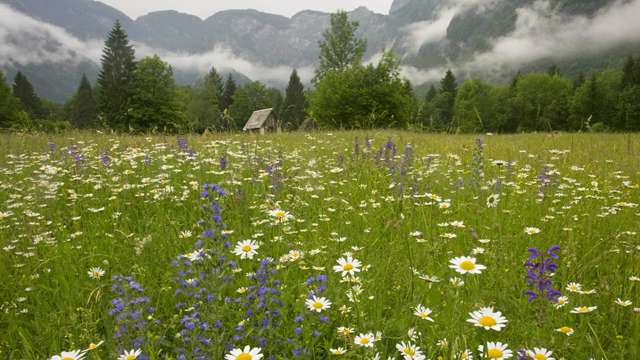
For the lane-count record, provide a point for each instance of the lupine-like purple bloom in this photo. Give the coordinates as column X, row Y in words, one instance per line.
column 223, row 162
column 105, row 159
column 540, row 267
column 51, row 145
column 131, row 310
column 202, row 273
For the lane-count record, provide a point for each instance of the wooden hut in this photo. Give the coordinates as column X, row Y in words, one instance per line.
column 262, row 120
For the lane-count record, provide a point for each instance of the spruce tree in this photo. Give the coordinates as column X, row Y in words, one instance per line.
column 114, row 80
column 31, row 103
column 445, row 101
column 628, row 72
column 294, row 103
column 203, row 111
column 84, row 113
column 229, row 90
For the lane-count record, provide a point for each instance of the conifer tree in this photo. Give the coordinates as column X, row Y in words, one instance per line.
column 229, row 90
column 294, row 103
column 84, row 113
column 114, row 80
column 31, row 103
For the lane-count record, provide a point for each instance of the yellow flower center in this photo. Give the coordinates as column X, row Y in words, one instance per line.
column 487, row 321
column 93, row 346
column 540, row 356
column 424, row 314
column 409, row 351
column 244, row 356
column 67, row 358
column 364, row 341
column 565, row 329
column 583, row 309
column 280, row 214
column 317, row 305
column 494, row 353
column 347, row 267
column 467, row 265
column 131, row 357
column 246, row 248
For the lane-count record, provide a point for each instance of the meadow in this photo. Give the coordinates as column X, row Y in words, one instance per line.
column 352, row 245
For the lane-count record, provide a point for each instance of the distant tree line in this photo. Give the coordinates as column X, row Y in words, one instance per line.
column 605, row 101
column 142, row 96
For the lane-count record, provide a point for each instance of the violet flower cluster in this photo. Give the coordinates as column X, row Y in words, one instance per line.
column 540, row 268
column 131, row 310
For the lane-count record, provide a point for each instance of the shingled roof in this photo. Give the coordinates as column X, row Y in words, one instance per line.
column 257, row 119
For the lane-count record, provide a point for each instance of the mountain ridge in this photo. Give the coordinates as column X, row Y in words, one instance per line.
column 428, row 35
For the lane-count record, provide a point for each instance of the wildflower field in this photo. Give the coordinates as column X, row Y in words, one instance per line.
column 348, row 245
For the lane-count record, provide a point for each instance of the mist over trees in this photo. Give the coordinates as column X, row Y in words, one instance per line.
column 142, row 96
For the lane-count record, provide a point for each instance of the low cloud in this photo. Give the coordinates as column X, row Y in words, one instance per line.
column 542, row 33
column 224, row 59
column 25, row 40
column 421, row 33
column 419, row 76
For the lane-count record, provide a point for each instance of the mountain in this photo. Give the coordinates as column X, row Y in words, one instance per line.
column 470, row 36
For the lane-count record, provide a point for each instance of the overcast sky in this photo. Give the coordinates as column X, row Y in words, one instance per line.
column 205, row 8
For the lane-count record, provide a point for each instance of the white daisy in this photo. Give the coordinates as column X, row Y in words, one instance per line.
column 280, row 215
column 246, row 249
column 318, row 304
column 624, row 303
column 69, row 355
column 466, row 265
column 493, row 200
column 583, row 309
column 488, row 318
column 365, row 340
column 565, row 330
column 130, row 355
column 495, row 350
column 531, row 230
column 540, row 354
column 338, row 351
column 247, row 353
column 95, row 273
column 561, row 302
column 347, row 266
column 409, row 351
column 423, row 313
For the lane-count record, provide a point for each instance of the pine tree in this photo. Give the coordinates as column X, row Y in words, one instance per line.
column 431, row 94
column 229, row 90
column 118, row 63
column 448, row 83
column 216, row 82
column 9, row 105
column 31, row 103
column 628, row 72
column 204, row 110
column 340, row 48
column 445, row 101
column 84, row 113
column 294, row 103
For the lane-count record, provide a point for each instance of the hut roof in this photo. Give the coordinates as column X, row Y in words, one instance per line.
column 257, row 119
